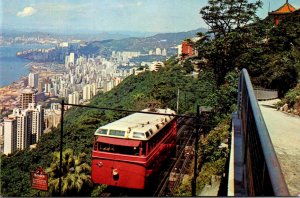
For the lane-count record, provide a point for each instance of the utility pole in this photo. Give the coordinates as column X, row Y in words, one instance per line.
column 61, row 144
column 185, row 100
column 177, row 100
column 195, row 154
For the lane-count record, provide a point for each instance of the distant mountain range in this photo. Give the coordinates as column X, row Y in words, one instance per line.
column 161, row 40
column 68, row 36
column 105, row 35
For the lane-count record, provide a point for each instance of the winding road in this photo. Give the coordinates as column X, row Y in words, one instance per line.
column 284, row 131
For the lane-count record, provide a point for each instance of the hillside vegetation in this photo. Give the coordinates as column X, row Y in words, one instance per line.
column 80, row 123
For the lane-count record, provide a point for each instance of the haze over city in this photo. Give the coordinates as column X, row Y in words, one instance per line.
column 117, row 15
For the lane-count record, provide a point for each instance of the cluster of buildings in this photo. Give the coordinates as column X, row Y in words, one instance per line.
column 124, row 56
column 24, row 127
column 158, row 52
column 81, row 78
column 84, row 77
column 28, row 39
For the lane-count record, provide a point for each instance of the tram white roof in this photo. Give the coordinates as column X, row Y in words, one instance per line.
column 139, row 126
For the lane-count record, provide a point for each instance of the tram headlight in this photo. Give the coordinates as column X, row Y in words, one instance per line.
column 115, row 172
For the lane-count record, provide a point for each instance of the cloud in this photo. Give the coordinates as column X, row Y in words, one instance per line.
column 125, row 5
column 27, row 11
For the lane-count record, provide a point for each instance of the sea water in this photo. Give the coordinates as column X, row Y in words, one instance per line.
column 12, row 67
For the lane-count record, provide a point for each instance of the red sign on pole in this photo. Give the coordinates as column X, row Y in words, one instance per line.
column 39, row 179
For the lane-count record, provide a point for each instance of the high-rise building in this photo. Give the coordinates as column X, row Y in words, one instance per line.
column 1, row 136
column 179, row 50
column 70, row 99
column 93, row 89
column 52, row 116
column 27, row 96
column 15, row 132
column 23, row 128
column 164, row 52
column 10, row 131
column 116, row 81
column 72, row 58
column 86, row 92
column 158, row 51
column 67, row 61
column 47, row 87
column 73, row 98
column 41, row 86
column 35, row 122
column 107, row 85
column 33, row 80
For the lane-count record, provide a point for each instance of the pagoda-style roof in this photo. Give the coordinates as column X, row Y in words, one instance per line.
column 285, row 9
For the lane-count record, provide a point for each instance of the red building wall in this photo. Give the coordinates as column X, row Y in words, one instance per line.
column 187, row 49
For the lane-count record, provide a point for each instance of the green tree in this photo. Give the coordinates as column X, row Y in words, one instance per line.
column 273, row 60
column 188, row 66
column 227, row 20
column 76, row 173
column 224, row 16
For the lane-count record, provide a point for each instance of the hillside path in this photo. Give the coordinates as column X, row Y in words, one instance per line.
column 284, row 131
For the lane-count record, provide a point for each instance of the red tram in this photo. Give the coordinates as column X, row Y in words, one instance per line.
column 127, row 151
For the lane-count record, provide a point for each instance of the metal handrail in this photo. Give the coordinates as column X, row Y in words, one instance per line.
column 262, row 170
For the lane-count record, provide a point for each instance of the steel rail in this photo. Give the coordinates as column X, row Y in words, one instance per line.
column 183, row 167
column 161, row 188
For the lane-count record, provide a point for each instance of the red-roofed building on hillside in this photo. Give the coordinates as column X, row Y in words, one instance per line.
column 187, row 49
column 282, row 12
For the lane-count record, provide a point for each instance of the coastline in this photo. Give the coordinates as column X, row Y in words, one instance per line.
column 13, row 67
column 9, row 94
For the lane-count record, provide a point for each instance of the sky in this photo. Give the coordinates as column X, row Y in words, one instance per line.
column 87, row 16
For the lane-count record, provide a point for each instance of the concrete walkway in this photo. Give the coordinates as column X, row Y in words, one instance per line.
column 284, row 131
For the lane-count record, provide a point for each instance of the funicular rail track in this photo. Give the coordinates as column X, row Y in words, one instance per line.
column 159, row 186
column 179, row 163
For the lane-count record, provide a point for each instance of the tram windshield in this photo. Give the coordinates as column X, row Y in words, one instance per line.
column 126, row 150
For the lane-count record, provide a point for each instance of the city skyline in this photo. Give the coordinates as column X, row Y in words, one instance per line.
column 78, row 16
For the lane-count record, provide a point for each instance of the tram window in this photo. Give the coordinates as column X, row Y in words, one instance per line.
column 138, row 135
column 102, row 131
column 126, row 150
column 147, row 134
column 117, row 133
column 151, row 131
